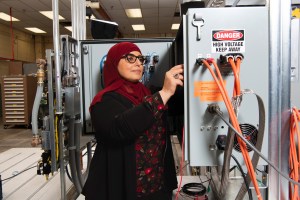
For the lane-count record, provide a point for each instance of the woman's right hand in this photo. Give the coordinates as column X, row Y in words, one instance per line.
column 173, row 78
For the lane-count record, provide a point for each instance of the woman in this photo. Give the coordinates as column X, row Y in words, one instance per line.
column 133, row 158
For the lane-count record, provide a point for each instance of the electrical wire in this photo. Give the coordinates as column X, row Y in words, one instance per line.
column 181, row 163
column 294, row 152
column 237, row 85
column 194, row 189
column 56, row 138
column 182, row 167
column 233, row 119
column 254, row 149
column 243, row 175
column 68, row 174
column 18, row 173
column 236, row 125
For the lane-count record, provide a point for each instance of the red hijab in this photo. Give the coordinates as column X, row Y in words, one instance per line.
column 114, row 82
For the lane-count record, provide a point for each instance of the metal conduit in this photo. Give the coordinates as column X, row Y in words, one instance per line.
column 55, row 9
column 78, row 152
column 279, row 72
column 72, row 152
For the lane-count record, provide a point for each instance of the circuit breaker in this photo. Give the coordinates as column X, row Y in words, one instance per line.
column 216, row 33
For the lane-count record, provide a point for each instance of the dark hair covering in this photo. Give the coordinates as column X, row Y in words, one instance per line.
column 114, row 82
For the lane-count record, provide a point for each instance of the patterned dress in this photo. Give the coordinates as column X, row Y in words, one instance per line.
column 150, row 152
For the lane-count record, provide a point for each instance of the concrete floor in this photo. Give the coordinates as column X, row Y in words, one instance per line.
column 20, row 137
column 14, row 137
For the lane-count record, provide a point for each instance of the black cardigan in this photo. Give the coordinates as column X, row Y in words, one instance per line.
column 112, row 173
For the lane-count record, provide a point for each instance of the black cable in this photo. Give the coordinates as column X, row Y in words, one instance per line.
column 68, row 174
column 62, row 73
column 256, row 150
column 91, row 147
column 18, row 173
column 194, row 189
column 205, row 181
column 178, row 170
column 232, row 168
column 261, row 171
column 244, row 176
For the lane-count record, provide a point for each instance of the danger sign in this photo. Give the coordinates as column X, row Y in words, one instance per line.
column 228, row 41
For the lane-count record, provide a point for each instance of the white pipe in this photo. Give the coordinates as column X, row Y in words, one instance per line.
column 56, row 35
column 35, row 109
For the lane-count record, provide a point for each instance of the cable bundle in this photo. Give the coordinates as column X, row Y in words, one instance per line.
column 219, row 80
column 294, row 153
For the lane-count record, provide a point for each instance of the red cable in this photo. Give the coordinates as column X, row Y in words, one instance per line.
column 181, row 164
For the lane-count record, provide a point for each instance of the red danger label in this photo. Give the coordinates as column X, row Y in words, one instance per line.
column 228, row 35
column 228, row 41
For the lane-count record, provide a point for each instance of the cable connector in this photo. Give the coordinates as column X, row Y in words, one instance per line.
column 223, row 59
column 213, row 108
column 238, row 56
column 234, row 56
column 221, row 142
column 209, row 60
column 199, row 61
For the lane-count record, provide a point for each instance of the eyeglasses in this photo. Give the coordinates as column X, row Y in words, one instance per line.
column 132, row 58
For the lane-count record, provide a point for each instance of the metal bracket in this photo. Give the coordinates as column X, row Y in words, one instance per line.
column 198, row 22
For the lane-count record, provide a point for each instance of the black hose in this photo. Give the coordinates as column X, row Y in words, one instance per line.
column 68, row 174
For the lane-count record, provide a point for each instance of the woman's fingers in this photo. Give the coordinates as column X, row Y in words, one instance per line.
column 178, row 69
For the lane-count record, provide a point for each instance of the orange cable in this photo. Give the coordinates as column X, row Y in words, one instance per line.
column 224, row 94
column 241, row 143
column 237, row 87
column 232, row 114
column 235, row 123
column 293, row 155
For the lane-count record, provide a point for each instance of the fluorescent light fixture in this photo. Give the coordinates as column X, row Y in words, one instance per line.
column 69, row 28
column 133, row 13
column 175, row 26
column 138, row 27
column 6, row 17
column 49, row 14
column 35, row 30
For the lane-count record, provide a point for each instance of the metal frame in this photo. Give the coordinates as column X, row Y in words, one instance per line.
column 279, row 115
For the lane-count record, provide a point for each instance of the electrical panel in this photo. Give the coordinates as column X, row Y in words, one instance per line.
column 216, row 33
column 295, row 62
column 93, row 55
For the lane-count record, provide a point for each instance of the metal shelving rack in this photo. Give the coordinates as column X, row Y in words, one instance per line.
column 17, row 99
